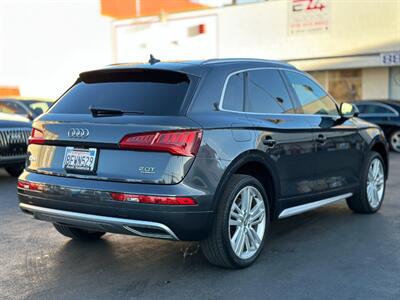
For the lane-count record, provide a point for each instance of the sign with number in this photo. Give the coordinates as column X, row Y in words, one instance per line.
column 308, row 16
column 390, row 58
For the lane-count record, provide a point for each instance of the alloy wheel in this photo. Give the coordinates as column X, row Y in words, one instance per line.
column 395, row 141
column 247, row 222
column 375, row 183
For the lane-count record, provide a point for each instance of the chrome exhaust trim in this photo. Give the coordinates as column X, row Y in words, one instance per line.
column 100, row 223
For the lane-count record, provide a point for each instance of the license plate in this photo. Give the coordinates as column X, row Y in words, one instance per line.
column 80, row 160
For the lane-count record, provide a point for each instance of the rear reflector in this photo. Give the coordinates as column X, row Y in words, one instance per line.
column 180, row 142
column 163, row 200
column 36, row 137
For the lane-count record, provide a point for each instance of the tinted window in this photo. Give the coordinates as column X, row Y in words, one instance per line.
column 361, row 108
column 38, row 105
column 313, row 99
column 149, row 92
column 374, row 109
column 9, row 107
column 234, row 93
column 267, row 92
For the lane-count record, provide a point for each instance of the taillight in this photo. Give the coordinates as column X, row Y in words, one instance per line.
column 164, row 200
column 179, row 142
column 32, row 186
column 36, row 137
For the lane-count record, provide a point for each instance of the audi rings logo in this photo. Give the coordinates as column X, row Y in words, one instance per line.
column 78, row 133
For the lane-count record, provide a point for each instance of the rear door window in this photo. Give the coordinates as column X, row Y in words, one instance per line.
column 234, row 93
column 267, row 92
column 150, row 92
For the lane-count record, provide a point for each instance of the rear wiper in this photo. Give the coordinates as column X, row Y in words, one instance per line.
column 104, row 112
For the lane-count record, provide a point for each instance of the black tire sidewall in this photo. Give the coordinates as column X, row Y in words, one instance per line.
column 230, row 195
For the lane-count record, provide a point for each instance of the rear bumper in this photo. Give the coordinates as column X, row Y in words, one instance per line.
column 87, row 204
column 100, row 223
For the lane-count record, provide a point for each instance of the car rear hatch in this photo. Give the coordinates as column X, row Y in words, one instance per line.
column 119, row 125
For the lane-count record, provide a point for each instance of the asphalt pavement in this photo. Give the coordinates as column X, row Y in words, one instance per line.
column 329, row 253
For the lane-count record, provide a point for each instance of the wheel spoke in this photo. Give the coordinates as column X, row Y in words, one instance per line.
column 379, row 181
column 240, row 242
column 246, row 200
column 247, row 241
column 254, row 236
column 257, row 218
column 233, row 222
column 236, row 216
column 236, row 208
column 376, row 196
column 374, row 169
column 235, row 236
column 369, row 191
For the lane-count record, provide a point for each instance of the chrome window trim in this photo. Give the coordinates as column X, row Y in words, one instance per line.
column 388, row 107
column 221, row 99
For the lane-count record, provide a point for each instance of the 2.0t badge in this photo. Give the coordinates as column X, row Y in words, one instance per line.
column 147, row 170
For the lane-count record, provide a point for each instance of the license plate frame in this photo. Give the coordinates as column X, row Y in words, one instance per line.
column 80, row 160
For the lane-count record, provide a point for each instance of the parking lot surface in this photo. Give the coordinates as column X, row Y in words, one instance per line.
column 329, row 253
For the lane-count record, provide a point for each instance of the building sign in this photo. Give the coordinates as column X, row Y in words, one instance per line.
column 390, row 58
column 308, row 16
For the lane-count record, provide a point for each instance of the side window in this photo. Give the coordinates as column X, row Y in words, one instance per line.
column 376, row 109
column 313, row 99
column 361, row 108
column 267, row 92
column 9, row 107
column 234, row 93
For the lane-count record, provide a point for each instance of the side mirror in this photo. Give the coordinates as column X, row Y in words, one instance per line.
column 348, row 110
column 30, row 116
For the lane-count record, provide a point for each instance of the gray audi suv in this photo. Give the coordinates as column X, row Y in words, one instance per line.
column 208, row 151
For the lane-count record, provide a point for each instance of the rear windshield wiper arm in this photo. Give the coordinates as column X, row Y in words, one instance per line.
column 104, row 112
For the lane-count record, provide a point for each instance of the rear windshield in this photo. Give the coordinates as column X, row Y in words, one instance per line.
column 149, row 92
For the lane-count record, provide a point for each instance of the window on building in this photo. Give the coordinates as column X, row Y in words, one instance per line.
column 234, row 93
column 267, row 92
column 313, row 99
column 343, row 85
column 394, row 84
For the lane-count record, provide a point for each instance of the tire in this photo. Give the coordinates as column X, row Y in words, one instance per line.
column 362, row 202
column 15, row 171
column 78, row 234
column 394, row 141
column 219, row 246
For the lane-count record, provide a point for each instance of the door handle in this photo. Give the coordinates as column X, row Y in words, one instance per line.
column 321, row 138
column 269, row 142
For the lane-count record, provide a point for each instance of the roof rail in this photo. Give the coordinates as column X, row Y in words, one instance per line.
column 222, row 60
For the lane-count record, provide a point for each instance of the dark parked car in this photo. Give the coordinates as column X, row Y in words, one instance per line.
column 14, row 133
column 386, row 114
column 206, row 150
column 26, row 107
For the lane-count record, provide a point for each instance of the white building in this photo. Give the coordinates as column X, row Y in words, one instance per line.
column 351, row 47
